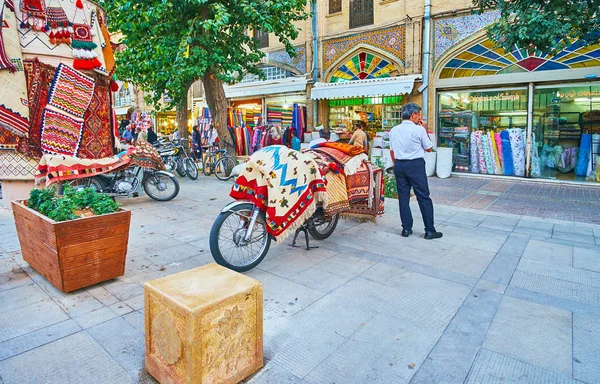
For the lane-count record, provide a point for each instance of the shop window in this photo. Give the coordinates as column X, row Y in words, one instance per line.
column 485, row 59
column 335, row 6
column 378, row 113
column 362, row 66
column 124, row 97
column 271, row 73
column 361, row 13
column 262, row 37
column 567, row 128
column 485, row 129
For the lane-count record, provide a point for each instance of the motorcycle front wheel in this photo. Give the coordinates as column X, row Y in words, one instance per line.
column 161, row 186
column 180, row 167
column 191, row 169
column 227, row 243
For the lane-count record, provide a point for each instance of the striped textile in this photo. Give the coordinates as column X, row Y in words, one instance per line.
column 61, row 134
column 71, row 91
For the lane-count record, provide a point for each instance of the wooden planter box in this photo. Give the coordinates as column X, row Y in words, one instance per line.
column 77, row 253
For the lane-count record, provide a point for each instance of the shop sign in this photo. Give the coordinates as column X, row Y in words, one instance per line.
column 572, row 94
column 366, row 101
column 497, row 97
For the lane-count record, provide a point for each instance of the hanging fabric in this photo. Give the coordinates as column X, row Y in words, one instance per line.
column 81, row 41
column 33, row 14
column 509, row 169
column 58, row 24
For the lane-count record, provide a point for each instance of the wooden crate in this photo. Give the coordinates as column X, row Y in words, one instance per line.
column 77, row 253
column 203, row 326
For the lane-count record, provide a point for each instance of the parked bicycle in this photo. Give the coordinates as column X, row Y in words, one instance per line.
column 176, row 159
column 218, row 162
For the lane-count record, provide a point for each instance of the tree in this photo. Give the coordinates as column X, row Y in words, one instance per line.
column 543, row 25
column 173, row 43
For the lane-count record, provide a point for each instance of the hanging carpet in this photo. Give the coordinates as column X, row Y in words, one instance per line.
column 61, row 134
column 369, row 210
column 97, row 140
column 337, row 195
column 71, row 91
column 359, row 185
column 285, row 184
column 350, row 164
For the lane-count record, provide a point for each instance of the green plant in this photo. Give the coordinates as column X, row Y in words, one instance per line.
column 444, row 145
column 66, row 206
column 389, row 183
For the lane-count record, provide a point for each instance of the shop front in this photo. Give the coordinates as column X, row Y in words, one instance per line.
column 514, row 114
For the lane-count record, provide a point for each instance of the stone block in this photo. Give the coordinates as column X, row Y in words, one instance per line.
column 203, row 325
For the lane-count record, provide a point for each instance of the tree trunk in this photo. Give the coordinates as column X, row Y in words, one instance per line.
column 181, row 112
column 217, row 103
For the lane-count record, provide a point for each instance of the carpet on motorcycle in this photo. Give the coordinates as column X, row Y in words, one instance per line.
column 285, row 184
column 368, row 209
column 337, row 195
column 350, row 163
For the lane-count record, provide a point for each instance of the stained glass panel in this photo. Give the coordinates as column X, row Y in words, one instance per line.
column 363, row 66
column 483, row 59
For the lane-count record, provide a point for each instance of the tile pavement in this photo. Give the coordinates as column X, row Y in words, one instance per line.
column 511, row 293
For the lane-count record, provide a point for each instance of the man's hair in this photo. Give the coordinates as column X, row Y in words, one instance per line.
column 409, row 109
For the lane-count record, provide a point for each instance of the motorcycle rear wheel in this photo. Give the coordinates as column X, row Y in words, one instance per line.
column 321, row 228
column 226, row 239
column 161, row 186
column 191, row 169
column 180, row 168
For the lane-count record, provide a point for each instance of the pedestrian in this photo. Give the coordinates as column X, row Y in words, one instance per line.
column 141, row 135
column 295, row 141
column 152, row 137
column 127, row 135
column 134, row 133
column 359, row 137
column 196, row 143
column 409, row 142
column 325, row 133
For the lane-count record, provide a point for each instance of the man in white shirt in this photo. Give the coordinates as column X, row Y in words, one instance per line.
column 409, row 141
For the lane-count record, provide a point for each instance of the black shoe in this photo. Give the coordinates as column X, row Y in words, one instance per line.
column 406, row 232
column 433, row 235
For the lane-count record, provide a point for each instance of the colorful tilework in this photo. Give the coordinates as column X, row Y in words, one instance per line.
column 282, row 57
column 363, row 66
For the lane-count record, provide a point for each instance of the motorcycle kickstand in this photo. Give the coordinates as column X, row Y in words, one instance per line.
column 303, row 228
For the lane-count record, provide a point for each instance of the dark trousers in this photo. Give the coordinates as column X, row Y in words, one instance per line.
column 411, row 173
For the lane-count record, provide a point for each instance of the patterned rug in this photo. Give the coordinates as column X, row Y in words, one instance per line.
column 365, row 210
column 337, row 195
column 71, row 91
column 348, row 149
column 97, row 140
column 61, row 134
column 351, row 164
column 285, row 184
column 359, row 185
column 14, row 166
column 8, row 140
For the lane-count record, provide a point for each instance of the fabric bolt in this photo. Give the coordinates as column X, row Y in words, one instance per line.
column 14, row 108
column 496, row 158
column 536, row 170
column 518, row 150
column 61, row 134
column 498, row 142
column 71, row 91
column 474, row 152
column 481, row 156
column 285, row 184
column 509, row 168
column 584, row 154
column 97, row 141
column 337, row 194
column 487, row 156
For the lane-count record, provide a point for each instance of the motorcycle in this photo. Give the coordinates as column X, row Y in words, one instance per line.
column 239, row 239
column 176, row 159
column 159, row 185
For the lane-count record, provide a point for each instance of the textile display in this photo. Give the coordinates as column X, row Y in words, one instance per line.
column 518, row 150
column 536, row 170
column 98, row 137
column 584, row 155
column 285, row 184
column 351, row 164
column 107, row 51
column 58, row 168
column 369, row 210
column 8, row 140
column 82, row 42
column 323, row 161
column 15, row 166
column 568, row 160
column 509, row 168
column 337, row 193
column 487, row 154
column 39, row 79
column 498, row 141
column 479, row 143
column 359, row 185
column 61, row 134
column 496, row 158
column 71, row 91
column 58, row 24
column 474, row 153
column 348, row 149
column 14, row 109
column 34, row 14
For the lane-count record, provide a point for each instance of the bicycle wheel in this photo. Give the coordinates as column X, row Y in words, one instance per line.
column 191, row 169
column 207, row 166
column 224, row 167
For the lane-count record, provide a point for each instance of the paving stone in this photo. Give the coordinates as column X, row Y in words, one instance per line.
column 574, row 237
column 442, row 274
column 21, row 321
column 450, row 360
column 532, row 332
column 551, row 253
column 96, row 317
column 136, row 319
column 586, row 259
column 37, row 338
column 495, row 368
column 472, row 237
column 552, row 301
column 541, row 225
column 467, row 218
column 128, row 349
column 12, row 275
column 344, row 265
column 273, row 373
column 586, row 348
column 319, row 280
column 574, row 229
column 485, row 285
column 21, row 297
column 295, row 261
column 102, row 295
column 515, row 244
column 585, row 294
column 136, row 302
column 73, row 359
column 574, row 275
column 121, row 308
column 501, row 269
column 123, row 289
column 499, row 223
column 472, row 262
column 542, row 233
column 164, row 255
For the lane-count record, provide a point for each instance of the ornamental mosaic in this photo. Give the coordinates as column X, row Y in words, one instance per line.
column 363, row 66
column 298, row 62
column 390, row 40
column 452, row 31
column 485, row 59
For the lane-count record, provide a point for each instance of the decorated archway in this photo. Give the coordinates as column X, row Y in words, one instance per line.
column 361, row 64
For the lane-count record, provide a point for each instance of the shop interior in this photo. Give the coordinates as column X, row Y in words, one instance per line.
column 280, row 109
column 378, row 113
column 248, row 112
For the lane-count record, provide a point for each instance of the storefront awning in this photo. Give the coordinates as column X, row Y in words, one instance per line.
column 267, row 87
column 122, row 111
column 365, row 88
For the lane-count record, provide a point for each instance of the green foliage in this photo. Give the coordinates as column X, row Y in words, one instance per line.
column 173, row 43
column 62, row 208
column 389, row 184
column 543, row 25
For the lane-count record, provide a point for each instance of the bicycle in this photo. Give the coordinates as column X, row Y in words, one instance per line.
column 218, row 162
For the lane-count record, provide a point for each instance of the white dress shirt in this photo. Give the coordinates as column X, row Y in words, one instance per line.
column 409, row 141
